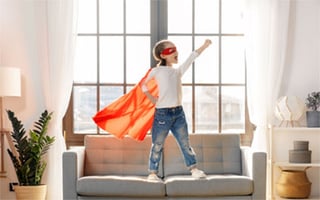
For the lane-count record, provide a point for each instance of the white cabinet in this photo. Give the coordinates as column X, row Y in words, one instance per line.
column 281, row 141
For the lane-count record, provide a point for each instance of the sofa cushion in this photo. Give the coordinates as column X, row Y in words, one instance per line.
column 107, row 155
column 134, row 186
column 213, row 185
column 216, row 154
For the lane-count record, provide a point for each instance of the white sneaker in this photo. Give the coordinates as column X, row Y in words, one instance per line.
column 153, row 177
column 196, row 173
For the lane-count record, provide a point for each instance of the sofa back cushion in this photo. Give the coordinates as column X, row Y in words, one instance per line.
column 107, row 155
column 216, row 154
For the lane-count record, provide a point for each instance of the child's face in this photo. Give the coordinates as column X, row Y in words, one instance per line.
column 170, row 54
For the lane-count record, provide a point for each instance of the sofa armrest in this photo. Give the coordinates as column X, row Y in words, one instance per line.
column 72, row 167
column 254, row 165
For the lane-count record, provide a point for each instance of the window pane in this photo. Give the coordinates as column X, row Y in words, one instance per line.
column 207, row 65
column 111, row 59
column 84, row 107
column 124, row 57
column 233, row 109
column 85, row 66
column 232, row 16
column 138, row 57
column 184, row 48
column 206, row 111
column 138, row 16
column 233, row 68
column 206, row 16
column 87, row 17
column 111, row 16
column 180, row 16
column 108, row 94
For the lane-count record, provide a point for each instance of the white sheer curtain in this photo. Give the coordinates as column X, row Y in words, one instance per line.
column 266, row 36
column 58, row 76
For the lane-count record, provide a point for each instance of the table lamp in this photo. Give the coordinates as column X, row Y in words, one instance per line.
column 10, row 86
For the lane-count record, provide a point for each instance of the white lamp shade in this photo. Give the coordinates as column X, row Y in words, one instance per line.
column 10, row 82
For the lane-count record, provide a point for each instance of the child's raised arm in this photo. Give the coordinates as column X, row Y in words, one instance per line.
column 206, row 43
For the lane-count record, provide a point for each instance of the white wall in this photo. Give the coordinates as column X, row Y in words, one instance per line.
column 302, row 74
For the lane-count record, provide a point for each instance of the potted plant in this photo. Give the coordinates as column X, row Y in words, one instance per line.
column 313, row 114
column 27, row 155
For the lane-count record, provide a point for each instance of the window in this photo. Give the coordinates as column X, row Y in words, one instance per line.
column 115, row 40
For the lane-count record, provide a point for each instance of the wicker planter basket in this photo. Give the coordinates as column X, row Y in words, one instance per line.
column 293, row 184
column 37, row 192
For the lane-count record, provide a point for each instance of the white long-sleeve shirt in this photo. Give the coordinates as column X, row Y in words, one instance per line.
column 169, row 82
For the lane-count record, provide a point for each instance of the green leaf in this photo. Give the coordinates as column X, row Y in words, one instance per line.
column 29, row 165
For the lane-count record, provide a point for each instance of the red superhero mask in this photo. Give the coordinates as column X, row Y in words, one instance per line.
column 169, row 50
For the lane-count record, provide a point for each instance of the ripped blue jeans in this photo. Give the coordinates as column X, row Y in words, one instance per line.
column 165, row 120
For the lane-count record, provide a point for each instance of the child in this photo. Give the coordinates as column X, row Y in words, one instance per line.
column 169, row 114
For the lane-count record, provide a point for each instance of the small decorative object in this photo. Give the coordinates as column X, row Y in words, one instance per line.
column 313, row 114
column 289, row 109
column 293, row 184
column 27, row 155
column 300, row 152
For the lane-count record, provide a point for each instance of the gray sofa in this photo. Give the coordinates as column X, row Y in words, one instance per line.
column 109, row 168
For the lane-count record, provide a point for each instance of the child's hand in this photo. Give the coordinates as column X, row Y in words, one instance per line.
column 206, row 43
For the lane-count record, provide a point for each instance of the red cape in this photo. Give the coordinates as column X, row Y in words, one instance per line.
column 131, row 114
